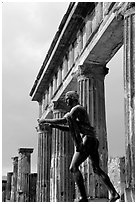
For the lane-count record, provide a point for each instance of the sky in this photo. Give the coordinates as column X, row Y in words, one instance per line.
column 27, row 32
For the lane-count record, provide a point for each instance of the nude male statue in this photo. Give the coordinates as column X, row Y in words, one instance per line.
column 86, row 144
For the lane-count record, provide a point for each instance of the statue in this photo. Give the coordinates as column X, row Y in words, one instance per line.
column 86, row 144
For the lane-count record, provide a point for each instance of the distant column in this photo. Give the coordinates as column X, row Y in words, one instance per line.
column 54, row 83
column 32, row 187
column 4, row 183
column 8, row 186
column 50, row 92
column 129, row 88
column 88, row 27
column 92, row 97
column 14, row 180
column 62, row 184
column 65, row 67
column 24, row 169
column 59, row 77
column 80, row 42
column 71, row 56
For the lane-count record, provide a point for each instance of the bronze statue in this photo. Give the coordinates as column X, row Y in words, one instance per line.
column 86, row 144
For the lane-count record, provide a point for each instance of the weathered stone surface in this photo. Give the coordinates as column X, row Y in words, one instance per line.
column 8, row 186
column 14, row 180
column 116, row 171
column 129, row 89
column 24, row 162
column 32, row 187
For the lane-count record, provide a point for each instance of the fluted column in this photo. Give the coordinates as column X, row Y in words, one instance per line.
column 32, row 187
column 62, row 184
column 43, row 165
column 92, row 97
column 88, row 27
column 8, row 186
column 24, row 169
column 14, row 180
column 50, row 91
column 59, row 77
column 80, row 41
column 54, row 83
column 71, row 56
column 129, row 89
column 65, row 67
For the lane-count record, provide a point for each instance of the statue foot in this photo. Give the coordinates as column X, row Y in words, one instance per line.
column 114, row 197
column 83, row 200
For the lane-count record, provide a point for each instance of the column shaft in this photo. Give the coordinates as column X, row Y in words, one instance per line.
column 91, row 91
column 59, row 77
column 44, row 163
column 129, row 89
column 14, row 180
column 24, row 169
column 32, row 187
column 8, row 186
column 65, row 67
column 62, row 189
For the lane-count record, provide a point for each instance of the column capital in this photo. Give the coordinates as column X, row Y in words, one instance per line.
column 9, row 173
column 130, row 9
column 92, row 70
column 25, row 150
column 15, row 159
column 43, row 128
column 124, row 10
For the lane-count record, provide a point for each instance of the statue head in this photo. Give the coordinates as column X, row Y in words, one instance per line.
column 71, row 97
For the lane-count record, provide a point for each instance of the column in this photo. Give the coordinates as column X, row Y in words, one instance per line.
column 8, row 186
column 43, row 165
column 24, row 169
column 84, row 36
column 88, row 27
column 71, row 56
column 14, row 180
column 40, row 109
column 80, row 41
column 54, row 83
column 46, row 98
column 129, row 89
column 91, row 92
column 32, row 187
column 59, row 77
column 65, row 67
column 62, row 184
column 4, row 183
column 50, row 91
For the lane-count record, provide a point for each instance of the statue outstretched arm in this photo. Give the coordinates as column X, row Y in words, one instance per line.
column 53, row 121
column 60, row 127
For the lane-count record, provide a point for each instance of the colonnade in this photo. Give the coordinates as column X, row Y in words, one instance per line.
column 20, row 181
column 90, row 73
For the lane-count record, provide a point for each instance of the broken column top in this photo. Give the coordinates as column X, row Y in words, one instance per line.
column 25, row 150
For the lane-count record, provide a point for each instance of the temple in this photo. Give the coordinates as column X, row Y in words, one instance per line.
column 88, row 37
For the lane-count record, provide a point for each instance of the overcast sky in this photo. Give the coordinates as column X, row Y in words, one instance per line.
column 27, row 32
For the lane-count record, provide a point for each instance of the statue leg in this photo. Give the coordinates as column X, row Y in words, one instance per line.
column 78, row 158
column 94, row 156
